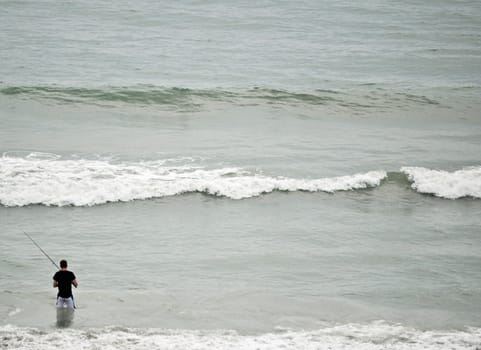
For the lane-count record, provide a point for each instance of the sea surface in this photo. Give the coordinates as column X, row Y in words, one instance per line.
column 241, row 174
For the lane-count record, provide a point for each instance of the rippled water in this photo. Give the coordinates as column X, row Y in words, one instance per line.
column 285, row 174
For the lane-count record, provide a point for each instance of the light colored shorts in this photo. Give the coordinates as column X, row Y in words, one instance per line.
column 65, row 302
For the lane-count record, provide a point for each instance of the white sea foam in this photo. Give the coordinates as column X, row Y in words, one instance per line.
column 451, row 185
column 14, row 312
column 374, row 336
column 82, row 182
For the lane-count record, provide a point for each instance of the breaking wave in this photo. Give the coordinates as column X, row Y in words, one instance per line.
column 450, row 185
column 48, row 180
column 374, row 336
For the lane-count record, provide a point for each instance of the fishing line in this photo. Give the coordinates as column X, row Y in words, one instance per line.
column 43, row 251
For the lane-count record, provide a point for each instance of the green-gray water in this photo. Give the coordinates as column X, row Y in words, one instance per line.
column 249, row 175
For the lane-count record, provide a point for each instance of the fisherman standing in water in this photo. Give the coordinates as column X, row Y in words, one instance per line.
column 64, row 279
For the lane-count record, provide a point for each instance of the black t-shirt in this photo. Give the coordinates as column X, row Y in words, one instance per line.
column 64, row 279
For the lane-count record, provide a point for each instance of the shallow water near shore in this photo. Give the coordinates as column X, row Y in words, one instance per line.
column 203, row 262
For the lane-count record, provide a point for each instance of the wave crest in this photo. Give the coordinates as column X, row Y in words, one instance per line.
column 191, row 99
column 450, row 185
column 81, row 182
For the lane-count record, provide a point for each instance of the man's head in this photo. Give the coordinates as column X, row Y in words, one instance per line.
column 63, row 264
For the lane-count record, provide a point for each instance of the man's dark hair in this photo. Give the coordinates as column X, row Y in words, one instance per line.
column 63, row 263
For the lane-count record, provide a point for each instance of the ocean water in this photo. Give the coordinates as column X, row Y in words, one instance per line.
column 248, row 175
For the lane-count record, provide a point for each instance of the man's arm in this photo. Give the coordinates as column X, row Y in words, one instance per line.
column 55, row 284
column 75, row 283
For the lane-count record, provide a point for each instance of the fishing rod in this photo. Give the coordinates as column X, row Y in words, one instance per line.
column 43, row 251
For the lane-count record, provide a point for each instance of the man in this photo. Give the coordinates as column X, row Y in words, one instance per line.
column 64, row 279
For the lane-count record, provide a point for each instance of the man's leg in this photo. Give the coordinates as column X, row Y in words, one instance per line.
column 69, row 303
column 65, row 303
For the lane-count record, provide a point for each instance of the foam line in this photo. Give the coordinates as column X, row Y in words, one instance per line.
column 452, row 185
column 81, row 182
column 373, row 336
